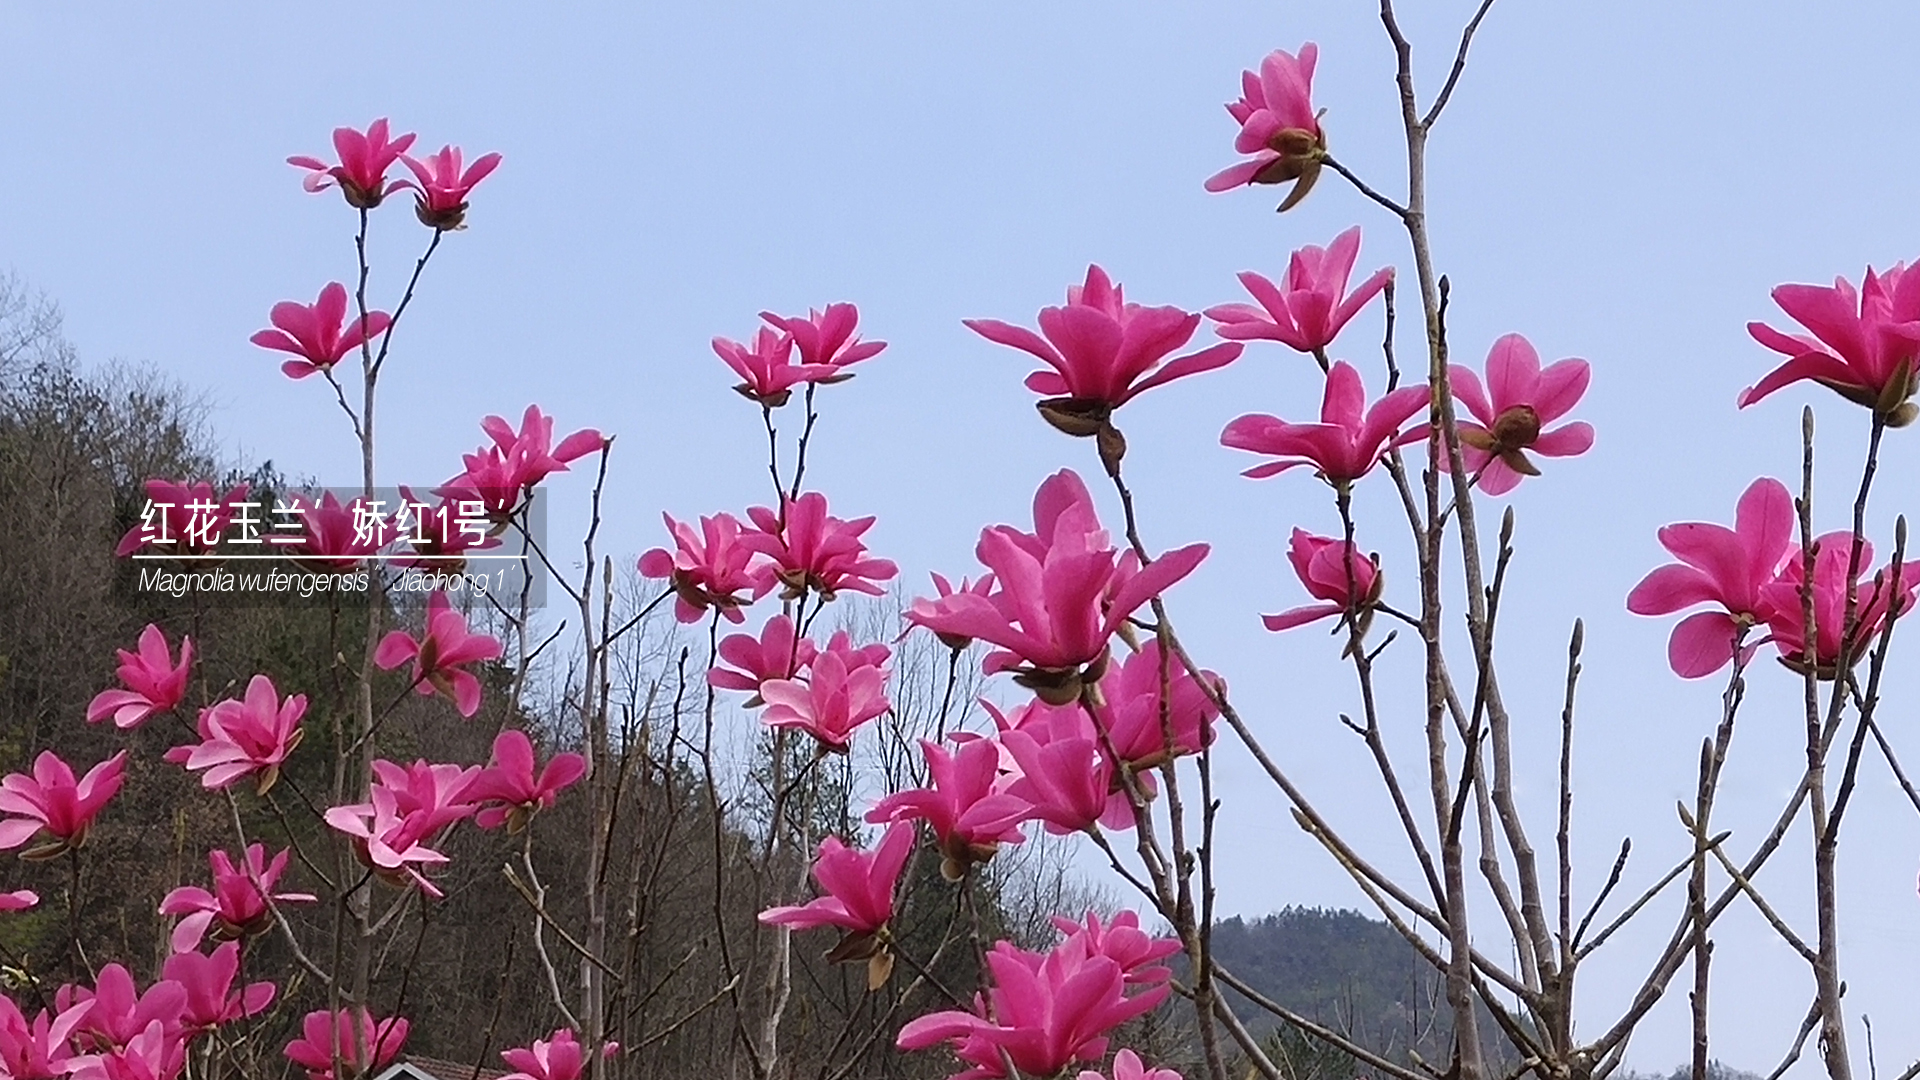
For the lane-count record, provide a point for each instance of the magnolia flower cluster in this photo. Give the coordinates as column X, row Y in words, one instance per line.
column 113, row 1030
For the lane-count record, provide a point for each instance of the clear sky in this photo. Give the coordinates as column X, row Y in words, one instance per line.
column 1622, row 182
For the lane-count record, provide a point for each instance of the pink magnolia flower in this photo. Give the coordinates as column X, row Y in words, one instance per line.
column 943, row 588
column 859, row 889
column 364, row 1044
column 498, row 476
column 1349, row 439
column 1312, row 307
column 510, row 785
column 1047, row 1011
column 757, row 660
column 364, row 161
column 826, row 339
column 440, row 199
column 844, row 688
column 51, row 801
column 238, row 905
column 1131, row 709
column 557, row 1057
column 1334, row 572
column 40, row 1050
column 1059, row 592
column 432, row 795
column 319, row 334
column 1520, row 399
column 1063, row 772
column 120, row 1011
column 767, row 367
column 19, row 900
column 1099, row 347
column 1278, row 126
column 156, row 1053
column 709, row 568
column 335, row 537
column 440, row 656
column 965, row 803
column 387, row 840
column 208, row 982
column 185, row 519
column 1121, row 940
column 1864, row 344
column 1128, row 1066
column 1728, row 567
column 251, row 737
column 153, row 682
column 811, row 550
column 1873, row 603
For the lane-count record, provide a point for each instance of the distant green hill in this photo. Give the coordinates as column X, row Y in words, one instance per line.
column 1354, row 974
column 1358, row 976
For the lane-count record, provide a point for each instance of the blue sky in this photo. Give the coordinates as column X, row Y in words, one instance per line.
column 1622, row 182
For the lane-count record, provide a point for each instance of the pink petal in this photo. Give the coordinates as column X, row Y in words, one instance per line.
column 1701, row 644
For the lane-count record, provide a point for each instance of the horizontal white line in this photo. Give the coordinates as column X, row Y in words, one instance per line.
column 290, row 557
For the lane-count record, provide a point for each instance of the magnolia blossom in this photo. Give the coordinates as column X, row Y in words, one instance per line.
column 433, row 795
column 158, row 1052
column 766, row 367
column 43, row 1048
column 1059, row 592
column 983, row 587
column 251, row 737
column 153, row 682
column 1143, row 733
column 1873, row 606
column 709, row 568
column 1311, row 306
column 775, row 654
column 1064, row 773
column 811, row 550
column 319, row 333
column 239, row 904
column 557, row 1057
column 208, row 982
column 440, row 198
column 120, row 1010
column 386, row 840
column 53, row 803
column 1864, row 344
column 407, row 807
column 826, row 339
column 186, row 519
column 364, row 161
column 859, row 888
column 1334, row 572
column 1128, row 1066
column 844, row 688
column 1121, row 940
column 510, row 785
column 1044, row 1012
column 1520, row 399
column 1100, row 349
column 1349, row 439
column 1730, row 568
column 499, row 476
column 964, row 801
column 364, row 1044
column 441, row 654
column 1278, row 126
